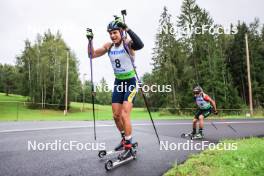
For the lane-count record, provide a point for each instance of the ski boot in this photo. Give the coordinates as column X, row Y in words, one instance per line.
column 120, row 146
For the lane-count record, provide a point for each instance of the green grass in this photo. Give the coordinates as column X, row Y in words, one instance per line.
column 247, row 160
column 13, row 108
column 12, row 97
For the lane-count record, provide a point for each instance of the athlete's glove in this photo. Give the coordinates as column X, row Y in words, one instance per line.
column 120, row 23
column 140, row 84
column 94, row 94
column 215, row 112
column 89, row 34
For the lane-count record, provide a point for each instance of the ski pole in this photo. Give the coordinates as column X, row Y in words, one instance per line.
column 123, row 12
column 213, row 125
column 92, row 84
column 232, row 128
column 227, row 124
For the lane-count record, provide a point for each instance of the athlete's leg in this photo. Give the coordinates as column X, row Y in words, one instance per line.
column 129, row 98
column 194, row 125
column 201, row 123
column 195, row 120
column 117, row 115
column 117, row 100
column 126, row 110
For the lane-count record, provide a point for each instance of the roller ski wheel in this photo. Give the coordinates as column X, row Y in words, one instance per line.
column 109, row 165
column 186, row 135
column 102, row 153
column 134, row 155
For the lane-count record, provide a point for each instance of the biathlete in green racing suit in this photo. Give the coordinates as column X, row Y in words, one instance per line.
column 205, row 106
column 125, row 82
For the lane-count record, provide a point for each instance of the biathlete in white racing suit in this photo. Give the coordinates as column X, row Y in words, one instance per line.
column 125, row 82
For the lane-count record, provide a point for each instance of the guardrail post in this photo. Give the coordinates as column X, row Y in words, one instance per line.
column 17, row 112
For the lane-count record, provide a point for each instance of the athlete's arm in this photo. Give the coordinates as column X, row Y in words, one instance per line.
column 128, row 43
column 212, row 102
column 136, row 43
column 100, row 51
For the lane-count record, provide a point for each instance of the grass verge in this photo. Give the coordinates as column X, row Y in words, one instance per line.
column 12, row 108
column 248, row 159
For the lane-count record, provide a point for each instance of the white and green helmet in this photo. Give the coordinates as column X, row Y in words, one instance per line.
column 197, row 89
column 112, row 26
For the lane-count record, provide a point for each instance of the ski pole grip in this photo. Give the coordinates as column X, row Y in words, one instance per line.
column 123, row 12
column 90, row 31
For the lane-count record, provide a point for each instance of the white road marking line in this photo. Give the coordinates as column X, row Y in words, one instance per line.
column 136, row 124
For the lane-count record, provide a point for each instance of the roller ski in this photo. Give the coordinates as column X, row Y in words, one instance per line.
column 129, row 153
column 104, row 153
column 192, row 135
column 124, row 157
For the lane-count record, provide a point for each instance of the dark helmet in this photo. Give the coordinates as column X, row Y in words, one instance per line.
column 197, row 89
column 112, row 26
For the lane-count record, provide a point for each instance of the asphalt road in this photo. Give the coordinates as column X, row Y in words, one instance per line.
column 16, row 159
